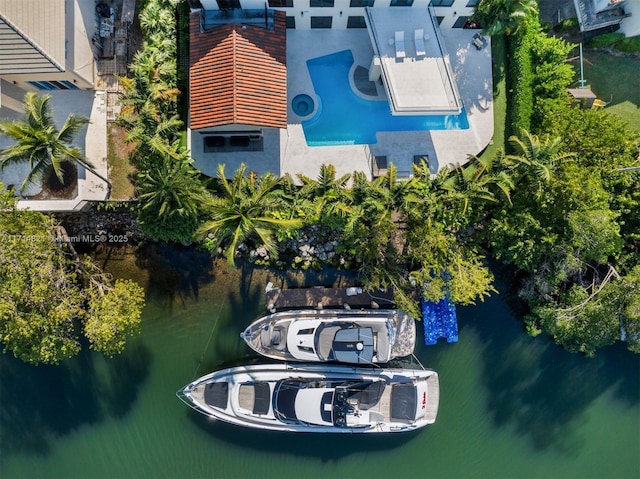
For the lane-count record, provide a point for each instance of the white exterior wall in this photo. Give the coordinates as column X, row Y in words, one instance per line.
column 341, row 11
column 630, row 26
column 80, row 27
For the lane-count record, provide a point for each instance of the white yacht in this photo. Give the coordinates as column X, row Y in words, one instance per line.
column 347, row 336
column 317, row 398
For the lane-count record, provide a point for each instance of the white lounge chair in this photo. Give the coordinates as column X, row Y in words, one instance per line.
column 399, row 41
column 418, row 37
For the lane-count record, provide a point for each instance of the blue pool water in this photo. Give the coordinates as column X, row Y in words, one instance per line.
column 343, row 118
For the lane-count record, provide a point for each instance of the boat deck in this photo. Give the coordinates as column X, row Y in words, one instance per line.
column 279, row 299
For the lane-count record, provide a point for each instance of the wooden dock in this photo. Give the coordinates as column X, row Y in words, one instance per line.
column 321, row 297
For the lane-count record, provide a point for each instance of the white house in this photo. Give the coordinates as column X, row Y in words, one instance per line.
column 289, row 85
column 343, row 14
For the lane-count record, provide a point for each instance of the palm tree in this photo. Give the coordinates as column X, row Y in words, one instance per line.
column 248, row 208
column 40, row 143
column 151, row 138
column 172, row 187
column 541, row 157
column 156, row 17
column 499, row 17
column 329, row 195
column 170, row 196
column 465, row 185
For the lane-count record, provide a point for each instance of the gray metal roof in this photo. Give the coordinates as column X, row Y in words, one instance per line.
column 32, row 36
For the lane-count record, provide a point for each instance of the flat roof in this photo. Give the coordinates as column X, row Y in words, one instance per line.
column 416, row 71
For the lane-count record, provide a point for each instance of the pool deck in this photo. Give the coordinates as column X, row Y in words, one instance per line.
column 287, row 152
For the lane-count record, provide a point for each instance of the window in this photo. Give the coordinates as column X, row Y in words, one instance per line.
column 401, row 3
column 291, row 22
column 356, row 22
column 361, row 3
column 439, row 20
column 473, row 3
column 460, row 22
column 227, row 4
column 321, row 22
column 442, row 3
column 233, row 141
column 321, row 3
column 281, row 3
column 53, row 85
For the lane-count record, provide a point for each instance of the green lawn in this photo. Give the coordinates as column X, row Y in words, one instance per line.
column 628, row 111
column 499, row 58
column 615, row 80
column 120, row 170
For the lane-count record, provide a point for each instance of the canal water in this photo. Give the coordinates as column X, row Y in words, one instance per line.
column 511, row 406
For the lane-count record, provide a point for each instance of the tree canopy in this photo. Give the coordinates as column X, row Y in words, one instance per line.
column 499, row 17
column 48, row 295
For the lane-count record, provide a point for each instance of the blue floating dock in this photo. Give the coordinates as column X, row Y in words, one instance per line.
column 440, row 321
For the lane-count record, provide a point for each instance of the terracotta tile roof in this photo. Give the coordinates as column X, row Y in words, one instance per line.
column 238, row 75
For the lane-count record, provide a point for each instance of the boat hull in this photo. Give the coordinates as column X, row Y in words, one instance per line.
column 307, row 398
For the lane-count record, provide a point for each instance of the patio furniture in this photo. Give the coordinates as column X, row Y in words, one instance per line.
column 418, row 37
column 379, row 166
column 479, row 41
column 399, row 41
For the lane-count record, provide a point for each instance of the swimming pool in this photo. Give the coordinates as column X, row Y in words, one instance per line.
column 344, row 118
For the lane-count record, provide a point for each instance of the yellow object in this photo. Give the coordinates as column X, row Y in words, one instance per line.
column 598, row 103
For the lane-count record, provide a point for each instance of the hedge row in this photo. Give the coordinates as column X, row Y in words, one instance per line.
column 539, row 74
column 521, row 74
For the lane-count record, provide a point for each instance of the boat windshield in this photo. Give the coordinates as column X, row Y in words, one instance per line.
column 285, row 400
column 324, row 402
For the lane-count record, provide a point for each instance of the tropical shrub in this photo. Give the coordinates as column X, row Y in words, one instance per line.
column 170, row 194
column 521, row 73
column 539, row 75
column 499, row 17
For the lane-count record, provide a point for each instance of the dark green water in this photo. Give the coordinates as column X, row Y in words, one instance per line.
column 511, row 406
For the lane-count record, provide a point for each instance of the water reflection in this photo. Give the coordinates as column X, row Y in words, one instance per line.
column 539, row 388
column 174, row 273
column 41, row 403
column 326, row 447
